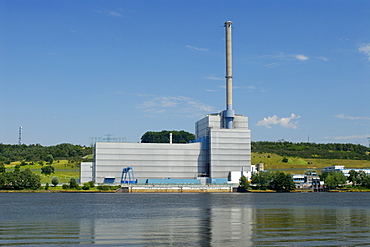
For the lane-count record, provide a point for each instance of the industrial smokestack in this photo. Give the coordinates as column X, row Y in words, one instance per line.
column 228, row 114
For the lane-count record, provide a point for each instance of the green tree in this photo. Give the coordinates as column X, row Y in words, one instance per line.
column 49, row 159
column 366, row 182
column 55, row 181
column 86, row 186
column 92, row 184
column 164, row 137
column 30, row 180
column 353, row 177
column 361, row 178
column 282, row 182
column 73, row 184
column 18, row 180
column 334, row 179
column 262, row 179
column 47, row 170
column 243, row 182
column 2, row 167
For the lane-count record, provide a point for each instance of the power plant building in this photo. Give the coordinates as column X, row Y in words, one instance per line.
column 221, row 152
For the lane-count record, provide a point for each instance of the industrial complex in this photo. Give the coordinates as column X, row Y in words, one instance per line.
column 220, row 154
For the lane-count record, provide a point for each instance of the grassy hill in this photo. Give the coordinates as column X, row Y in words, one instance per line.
column 297, row 165
column 298, row 157
column 64, row 170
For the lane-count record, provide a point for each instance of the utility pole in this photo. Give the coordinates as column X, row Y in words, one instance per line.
column 20, row 136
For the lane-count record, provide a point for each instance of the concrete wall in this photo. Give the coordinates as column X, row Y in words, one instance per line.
column 228, row 149
column 148, row 160
column 86, row 169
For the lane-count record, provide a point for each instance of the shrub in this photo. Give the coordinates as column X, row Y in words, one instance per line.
column 55, row 181
column 92, row 184
column 65, row 186
column 47, row 170
column 243, row 182
column 86, row 186
column 107, row 187
column 73, row 183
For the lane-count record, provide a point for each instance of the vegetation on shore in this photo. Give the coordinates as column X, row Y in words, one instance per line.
column 63, row 161
column 36, row 152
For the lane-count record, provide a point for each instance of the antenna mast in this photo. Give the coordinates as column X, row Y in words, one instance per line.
column 20, row 136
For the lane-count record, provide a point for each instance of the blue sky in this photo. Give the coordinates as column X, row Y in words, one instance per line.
column 71, row 70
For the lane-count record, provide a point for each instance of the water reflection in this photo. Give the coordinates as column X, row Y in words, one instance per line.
column 310, row 226
column 182, row 220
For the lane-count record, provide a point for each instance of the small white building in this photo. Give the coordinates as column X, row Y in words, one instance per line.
column 345, row 171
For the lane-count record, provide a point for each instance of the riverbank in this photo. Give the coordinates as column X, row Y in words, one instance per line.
column 176, row 189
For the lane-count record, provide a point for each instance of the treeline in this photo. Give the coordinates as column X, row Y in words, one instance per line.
column 164, row 136
column 18, row 180
column 359, row 180
column 278, row 181
column 36, row 152
column 314, row 150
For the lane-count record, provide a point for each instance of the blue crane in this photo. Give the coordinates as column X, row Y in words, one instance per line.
column 128, row 176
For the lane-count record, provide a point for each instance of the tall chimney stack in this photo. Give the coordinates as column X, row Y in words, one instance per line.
column 228, row 114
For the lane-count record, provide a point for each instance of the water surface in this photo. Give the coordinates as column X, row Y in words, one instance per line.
column 199, row 219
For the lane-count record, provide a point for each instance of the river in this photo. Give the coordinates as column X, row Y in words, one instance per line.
column 199, row 219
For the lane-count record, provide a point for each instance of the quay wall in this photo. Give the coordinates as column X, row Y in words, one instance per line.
column 176, row 189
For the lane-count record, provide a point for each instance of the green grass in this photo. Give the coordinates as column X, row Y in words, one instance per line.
column 62, row 169
column 296, row 165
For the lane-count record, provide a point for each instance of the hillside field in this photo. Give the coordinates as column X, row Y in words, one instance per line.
column 64, row 170
column 296, row 165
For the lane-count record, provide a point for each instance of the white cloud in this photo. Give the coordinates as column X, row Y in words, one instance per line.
column 347, row 137
column 285, row 122
column 273, row 65
column 109, row 12
column 365, row 49
column 323, row 58
column 113, row 13
column 196, row 48
column 173, row 106
column 345, row 116
column 214, row 78
column 301, row 57
column 286, row 57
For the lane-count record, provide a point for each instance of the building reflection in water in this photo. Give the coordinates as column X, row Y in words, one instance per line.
column 197, row 226
column 222, row 226
column 177, row 220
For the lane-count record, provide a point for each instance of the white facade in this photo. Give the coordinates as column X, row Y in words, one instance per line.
column 86, row 169
column 148, row 160
column 218, row 153
column 229, row 150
